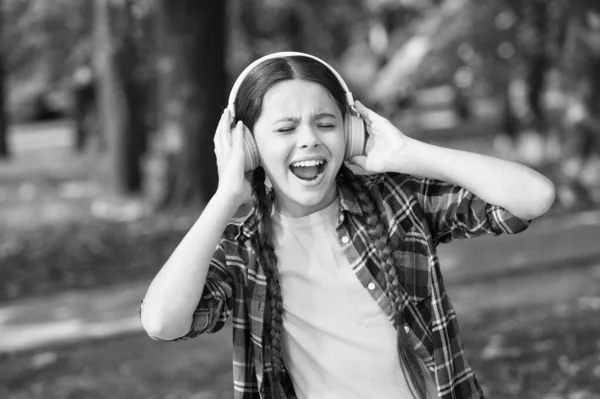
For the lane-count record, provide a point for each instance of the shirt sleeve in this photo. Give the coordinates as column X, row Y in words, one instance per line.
column 214, row 307
column 216, row 303
column 453, row 212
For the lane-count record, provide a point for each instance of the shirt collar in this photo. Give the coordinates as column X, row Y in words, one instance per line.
column 348, row 201
column 245, row 226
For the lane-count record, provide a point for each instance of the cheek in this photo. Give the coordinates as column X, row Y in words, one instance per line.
column 336, row 143
column 273, row 154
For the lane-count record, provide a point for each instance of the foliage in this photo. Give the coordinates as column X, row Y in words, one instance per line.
column 79, row 255
column 51, row 38
column 493, row 38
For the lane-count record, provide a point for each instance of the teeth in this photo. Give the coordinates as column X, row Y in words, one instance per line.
column 312, row 162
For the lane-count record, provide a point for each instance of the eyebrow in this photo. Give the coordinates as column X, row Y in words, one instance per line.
column 324, row 115
column 296, row 119
column 287, row 119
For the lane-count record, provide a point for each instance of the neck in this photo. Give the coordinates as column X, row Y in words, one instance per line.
column 293, row 209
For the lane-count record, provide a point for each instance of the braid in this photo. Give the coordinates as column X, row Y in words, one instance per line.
column 262, row 202
column 389, row 257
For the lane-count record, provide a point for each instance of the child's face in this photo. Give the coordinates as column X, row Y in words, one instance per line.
column 300, row 121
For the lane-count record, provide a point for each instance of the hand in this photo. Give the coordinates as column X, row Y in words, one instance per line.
column 229, row 149
column 384, row 146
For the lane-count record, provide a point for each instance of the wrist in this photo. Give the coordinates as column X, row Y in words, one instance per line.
column 230, row 201
column 407, row 160
column 419, row 159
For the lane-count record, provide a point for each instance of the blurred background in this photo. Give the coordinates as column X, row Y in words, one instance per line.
column 106, row 158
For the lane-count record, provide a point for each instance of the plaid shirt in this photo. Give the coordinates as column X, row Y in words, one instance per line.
column 422, row 213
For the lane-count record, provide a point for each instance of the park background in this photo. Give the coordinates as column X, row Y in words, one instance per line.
column 106, row 159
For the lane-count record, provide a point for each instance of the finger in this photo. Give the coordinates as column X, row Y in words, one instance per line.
column 237, row 136
column 368, row 115
column 225, row 135
column 237, row 146
column 218, row 133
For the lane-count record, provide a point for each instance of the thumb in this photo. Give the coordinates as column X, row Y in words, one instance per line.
column 359, row 160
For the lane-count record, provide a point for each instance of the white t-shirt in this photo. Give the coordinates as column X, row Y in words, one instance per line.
column 337, row 342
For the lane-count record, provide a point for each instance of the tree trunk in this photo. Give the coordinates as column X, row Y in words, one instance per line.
column 84, row 106
column 119, row 113
column 538, row 63
column 510, row 123
column 4, row 151
column 192, row 79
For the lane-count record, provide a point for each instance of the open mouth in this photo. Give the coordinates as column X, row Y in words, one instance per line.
column 308, row 170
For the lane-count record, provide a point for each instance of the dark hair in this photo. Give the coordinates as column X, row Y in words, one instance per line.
column 248, row 103
column 248, row 107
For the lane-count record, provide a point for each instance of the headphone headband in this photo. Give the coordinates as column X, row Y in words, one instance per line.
column 281, row 54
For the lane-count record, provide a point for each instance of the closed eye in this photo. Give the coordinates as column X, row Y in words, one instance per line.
column 285, row 129
column 326, row 125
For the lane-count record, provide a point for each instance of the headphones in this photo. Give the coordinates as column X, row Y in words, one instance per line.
column 354, row 128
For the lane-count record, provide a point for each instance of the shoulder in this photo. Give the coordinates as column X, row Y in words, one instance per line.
column 395, row 194
column 236, row 249
column 391, row 183
column 240, row 230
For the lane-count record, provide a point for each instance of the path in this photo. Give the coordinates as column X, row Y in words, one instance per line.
column 549, row 243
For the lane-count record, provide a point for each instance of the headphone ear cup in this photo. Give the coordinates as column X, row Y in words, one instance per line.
column 251, row 159
column 356, row 136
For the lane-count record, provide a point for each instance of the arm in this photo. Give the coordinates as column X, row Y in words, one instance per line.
column 520, row 190
column 175, row 292
column 451, row 211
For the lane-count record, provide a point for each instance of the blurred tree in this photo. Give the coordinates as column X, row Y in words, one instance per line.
column 540, row 26
column 580, row 64
column 538, row 61
column 321, row 28
column 4, row 152
column 49, row 39
column 192, row 79
column 118, row 100
column 84, row 106
column 423, row 50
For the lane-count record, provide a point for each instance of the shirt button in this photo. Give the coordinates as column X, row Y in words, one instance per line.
column 345, row 239
column 371, row 286
column 406, row 329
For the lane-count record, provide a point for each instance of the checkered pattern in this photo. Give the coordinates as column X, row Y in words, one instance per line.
column 422, row 213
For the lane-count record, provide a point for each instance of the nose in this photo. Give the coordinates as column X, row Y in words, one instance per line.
column 307, row 137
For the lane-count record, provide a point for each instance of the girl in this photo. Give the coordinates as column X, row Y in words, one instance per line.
column 333, row 279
